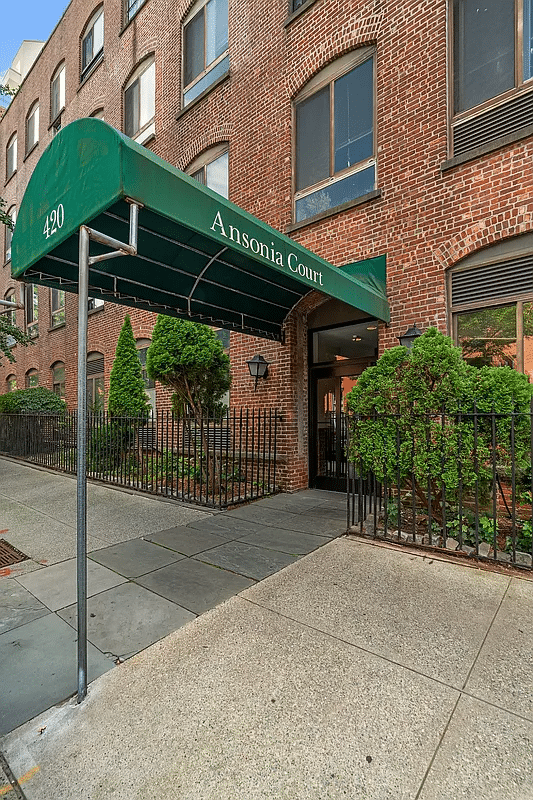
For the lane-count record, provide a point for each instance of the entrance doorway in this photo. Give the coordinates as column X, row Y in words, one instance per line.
column 349, row 349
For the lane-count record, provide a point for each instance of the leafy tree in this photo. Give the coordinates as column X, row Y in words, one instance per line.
column 413, row 422
column 189, row 358
column 127, row 395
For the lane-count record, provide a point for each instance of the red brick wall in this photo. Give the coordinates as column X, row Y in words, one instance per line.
column 424, row 220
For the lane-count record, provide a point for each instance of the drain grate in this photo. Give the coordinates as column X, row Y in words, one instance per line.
column 9, row 554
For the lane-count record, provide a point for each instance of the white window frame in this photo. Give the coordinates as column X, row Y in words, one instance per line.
column 144, row 77
column 11, row 156
column 212, row 70
column 199, row 169
column 57, row 78
column 94, row 31
column 57, row 307
column 31, row 308
column 11, row 212
column 131, row 7
column 32, row 126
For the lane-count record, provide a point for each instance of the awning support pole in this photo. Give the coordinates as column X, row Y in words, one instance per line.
column 86, row 234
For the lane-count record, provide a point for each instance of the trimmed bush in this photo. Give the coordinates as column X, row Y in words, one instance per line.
column 37, row 400
column 127, row 395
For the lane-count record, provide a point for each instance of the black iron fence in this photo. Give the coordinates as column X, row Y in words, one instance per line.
column 214, row 462
column 460, row 481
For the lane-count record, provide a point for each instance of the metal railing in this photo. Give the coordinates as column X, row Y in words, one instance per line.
column 215, row 462
column 461, row 481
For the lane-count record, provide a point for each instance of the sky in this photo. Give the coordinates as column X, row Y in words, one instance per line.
column 27, row 19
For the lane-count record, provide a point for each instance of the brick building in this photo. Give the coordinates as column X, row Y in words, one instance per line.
column 360, row 129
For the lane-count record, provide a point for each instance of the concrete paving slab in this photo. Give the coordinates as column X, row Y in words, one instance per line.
column 18, row 606
column 128, row 618
column 241, row 704
column 283, row 519
column 55, row 586
column 486, row 753
column 134, row 558
column 502, row 673
column 186, row 540
column 245, row 559
column 38, row 668
column 428, row 615
column 193, row 585
column 223, row 525
column 286, row 541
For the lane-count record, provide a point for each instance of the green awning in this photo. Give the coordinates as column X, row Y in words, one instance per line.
column 199, row 255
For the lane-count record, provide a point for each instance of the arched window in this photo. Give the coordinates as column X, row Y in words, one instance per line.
column 95, row 382
column 335, row 136
column 205, row 47
column 12, row 212
column 57, row 95
column 98, row 114
column 212, row 169
column 92, row 44
column 139, row 102
column 11, row 383
column 58, row 378
column 11, row 156
column 32, row 378
column 32, row 127
column 9, row 313
column 149, row 384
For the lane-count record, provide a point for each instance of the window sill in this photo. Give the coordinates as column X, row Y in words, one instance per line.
column 299, row 11
column 92, row 311
column 56, row 119
column 223, row 78
column 90, row 70
column 30, row 151
column 8, row 179
column 145, row 135
column 489, row 147
column 331, row 212
column 56, row 327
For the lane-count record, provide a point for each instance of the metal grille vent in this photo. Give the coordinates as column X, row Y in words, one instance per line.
column 493, row 124
column 9, row 554
column 507, row 278
column 95, row 366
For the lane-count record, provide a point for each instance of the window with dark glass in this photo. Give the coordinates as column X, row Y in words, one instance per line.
column 57, row 92
column 32, row 127
column 335, row 153
column 57, row 307
column 58, row 378
column 139, row 102
column 205, row 47
column 95, row 382
column 11, row 156
column 132, row 6
column 92, row 44
column 492, row 49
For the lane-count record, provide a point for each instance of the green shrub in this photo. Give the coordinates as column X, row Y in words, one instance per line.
column 109, row 444
column 127, row 395
column 37, row 400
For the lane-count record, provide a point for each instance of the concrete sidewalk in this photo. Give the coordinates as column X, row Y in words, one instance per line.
column 358, row 671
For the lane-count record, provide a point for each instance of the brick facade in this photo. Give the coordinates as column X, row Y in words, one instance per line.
column 425, row 219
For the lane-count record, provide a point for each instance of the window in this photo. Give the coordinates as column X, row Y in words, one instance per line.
column 149, row 384
column 57, row 93
column 98, row 114
column 57, row 307
column 492, row 49
column 139, row 103
column 12, row 212
column 211, row 169
column 32, row 309
column 95, row 382
column 491, row 294
column 11, row 156
column 92, row 44
column 58, row 378
column 132, row 6
column 11, row 382
column 205, row 47
column 335, row 150
column 32, row 127
column 32, row 378
column 10, row 313
column 95, row 302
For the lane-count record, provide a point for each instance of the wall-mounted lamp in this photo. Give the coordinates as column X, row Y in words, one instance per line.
column 407, row 340
column 258, row 368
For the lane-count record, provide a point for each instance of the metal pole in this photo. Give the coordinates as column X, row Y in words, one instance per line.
column 81, row 518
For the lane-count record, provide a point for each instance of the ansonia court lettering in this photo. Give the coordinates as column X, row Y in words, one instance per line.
column 267, row 251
